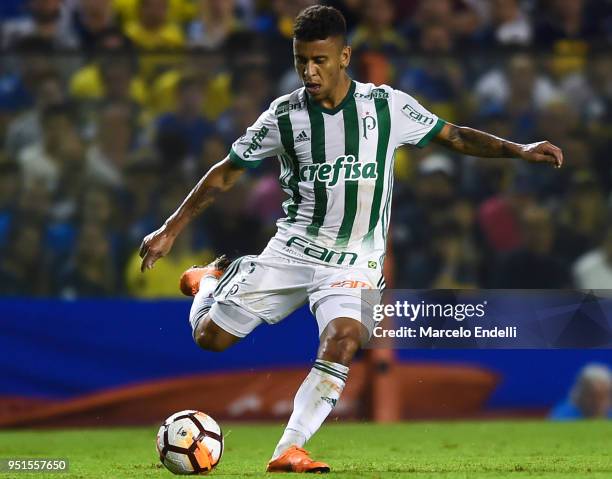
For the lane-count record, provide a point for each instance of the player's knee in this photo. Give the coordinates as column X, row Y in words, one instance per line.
column 207, row 338
column 341, row 342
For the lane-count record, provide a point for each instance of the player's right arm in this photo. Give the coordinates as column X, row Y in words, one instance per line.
column 260, row 141
column 221, row 177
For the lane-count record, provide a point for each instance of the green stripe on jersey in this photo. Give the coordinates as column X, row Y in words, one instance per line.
column 286, row 132
column 384, row 131
column 387, row 208
column 228, row 275
column 431, row 133
column 317, row 149
column 351, row 147
column 236, row 160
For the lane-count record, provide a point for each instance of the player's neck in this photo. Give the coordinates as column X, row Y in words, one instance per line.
column 338, row 94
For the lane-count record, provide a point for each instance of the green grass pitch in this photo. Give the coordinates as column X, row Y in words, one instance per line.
column 452, row 450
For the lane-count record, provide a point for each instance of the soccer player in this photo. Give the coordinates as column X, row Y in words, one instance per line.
column 335, row 140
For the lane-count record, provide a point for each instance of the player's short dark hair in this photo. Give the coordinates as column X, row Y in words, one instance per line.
column 319, row 22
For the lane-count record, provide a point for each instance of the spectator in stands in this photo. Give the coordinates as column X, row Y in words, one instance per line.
column 108, row 154
column 446, row 264
column 33, row 203
column 457, row 15
column 597, row 111
column 111, row 76
column 227, row 220
column 436, row 80
column 216, row 21
column 215, row 80
column 420, row 210
column 96, row 205
column 280, row 22
column 179, row 11
column 43, row 21
column 558, row 121
column 90, row 21
column 238, row 118
column 22, row 269
column 180, row 134
column 183, row 254
column 43, row 160
column 593, row 270
column 152, row 29
column 590, row 396
column 71, row 168
column 141, row 190
column 509, row 25
column 581, row 217
column 26, row 129
column 214, row 148
column 566, row 20
column 33, row 60
column 90, row 272
column 375, row 32
column 254, row 80
column 534, row 265
column 519, row 91
column 9, row 193
column 520, row 77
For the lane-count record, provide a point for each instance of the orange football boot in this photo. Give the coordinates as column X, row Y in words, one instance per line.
column 296, row 459
column 190, row 279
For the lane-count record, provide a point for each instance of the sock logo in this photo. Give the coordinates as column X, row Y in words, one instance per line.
column 330, row 401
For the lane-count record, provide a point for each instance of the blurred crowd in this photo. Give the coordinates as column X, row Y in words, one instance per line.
column 111, row 110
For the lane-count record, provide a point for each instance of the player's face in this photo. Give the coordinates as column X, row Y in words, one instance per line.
column 320, row 64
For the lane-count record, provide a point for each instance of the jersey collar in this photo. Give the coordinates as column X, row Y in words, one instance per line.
column 341, row 105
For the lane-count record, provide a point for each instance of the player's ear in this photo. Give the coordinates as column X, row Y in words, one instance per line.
column 345, row 56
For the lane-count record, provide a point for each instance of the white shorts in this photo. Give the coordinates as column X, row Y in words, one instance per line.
column 269, row 287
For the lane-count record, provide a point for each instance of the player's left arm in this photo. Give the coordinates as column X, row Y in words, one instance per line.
column 470, row 141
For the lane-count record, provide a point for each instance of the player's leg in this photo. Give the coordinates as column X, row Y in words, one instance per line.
column 254, row 289
column 206, row 333
column 345, row 324
column 201, row 282
column 325, row 382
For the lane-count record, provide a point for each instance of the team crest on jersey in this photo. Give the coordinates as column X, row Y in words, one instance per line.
column 345, row 166
column 369, row 123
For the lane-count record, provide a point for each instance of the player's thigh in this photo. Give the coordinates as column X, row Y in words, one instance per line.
column 259, row 289
column 345, row 293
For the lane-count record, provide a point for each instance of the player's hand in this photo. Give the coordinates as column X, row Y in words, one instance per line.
column 155, row 246
column 543, row 152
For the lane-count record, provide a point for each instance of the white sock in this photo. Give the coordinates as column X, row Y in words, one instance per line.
column 313, row 402
column 202, row 302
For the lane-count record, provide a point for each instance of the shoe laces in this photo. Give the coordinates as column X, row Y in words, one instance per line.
column 301, row 449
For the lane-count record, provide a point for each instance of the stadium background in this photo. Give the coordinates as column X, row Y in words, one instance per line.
column 110, row 110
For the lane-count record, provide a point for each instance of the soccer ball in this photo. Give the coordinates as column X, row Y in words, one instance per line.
column 190, row 442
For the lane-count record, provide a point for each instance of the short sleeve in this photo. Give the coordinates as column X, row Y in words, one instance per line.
column 415, row 125
column 261, row 140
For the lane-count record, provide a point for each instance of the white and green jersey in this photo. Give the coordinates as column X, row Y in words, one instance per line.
column 337, row 168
